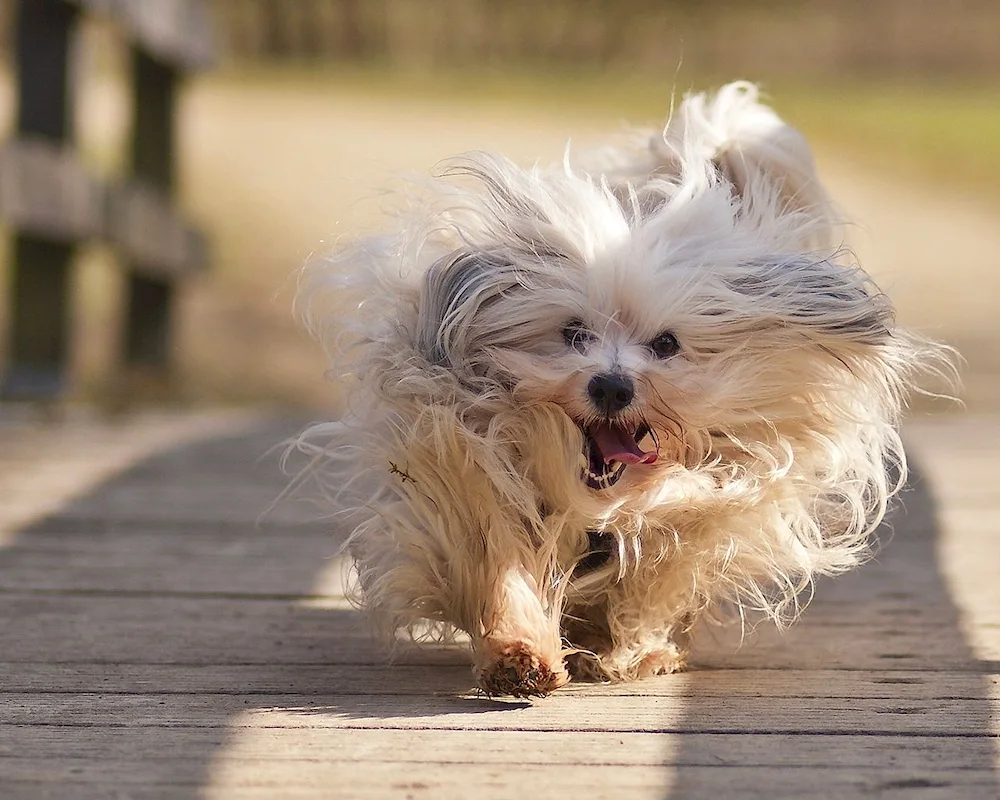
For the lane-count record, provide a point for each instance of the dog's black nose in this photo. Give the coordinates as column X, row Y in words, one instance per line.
column 611, row 392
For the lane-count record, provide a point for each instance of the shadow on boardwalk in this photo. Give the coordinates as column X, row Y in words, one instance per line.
column 899, row 688
column 146, row 622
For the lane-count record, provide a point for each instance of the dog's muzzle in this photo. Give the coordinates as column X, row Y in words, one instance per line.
column 608, row 449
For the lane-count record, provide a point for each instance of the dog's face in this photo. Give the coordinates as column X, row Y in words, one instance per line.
column 660, row 328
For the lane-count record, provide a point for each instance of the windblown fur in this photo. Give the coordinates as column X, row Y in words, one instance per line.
column 701, row 271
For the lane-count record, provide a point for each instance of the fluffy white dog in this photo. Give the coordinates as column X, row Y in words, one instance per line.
column 595, row 403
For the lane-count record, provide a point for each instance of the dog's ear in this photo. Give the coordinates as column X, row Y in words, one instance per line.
column 766, row 155
column 749, row 145
column 455, row 289
column 818, row 296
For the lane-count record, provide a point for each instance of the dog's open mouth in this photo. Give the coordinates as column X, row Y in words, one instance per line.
column 608, row 449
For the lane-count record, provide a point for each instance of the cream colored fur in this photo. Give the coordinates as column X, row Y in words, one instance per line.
column 458, row 463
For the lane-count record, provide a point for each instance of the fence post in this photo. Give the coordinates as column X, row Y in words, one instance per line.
column 40, row 265
column 149, row 299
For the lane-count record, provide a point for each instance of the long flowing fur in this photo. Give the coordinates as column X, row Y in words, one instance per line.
column 457, row 463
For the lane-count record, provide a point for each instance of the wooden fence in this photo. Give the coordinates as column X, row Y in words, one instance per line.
column 50, row 203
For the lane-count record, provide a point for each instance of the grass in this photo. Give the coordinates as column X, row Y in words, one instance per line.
column 949, row 135
column 947, row 132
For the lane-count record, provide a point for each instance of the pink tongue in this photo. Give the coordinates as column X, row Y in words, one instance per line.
column 618, row 444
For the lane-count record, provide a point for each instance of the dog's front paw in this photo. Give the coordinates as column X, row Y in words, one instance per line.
column 514, row 669
column 661, row 662
column 627, row 664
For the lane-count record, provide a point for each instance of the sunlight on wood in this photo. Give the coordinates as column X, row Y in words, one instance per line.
column 959, row 459
column 323, row 749
column 43, row 466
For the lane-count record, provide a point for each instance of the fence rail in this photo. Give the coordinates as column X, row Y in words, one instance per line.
column 51, row 203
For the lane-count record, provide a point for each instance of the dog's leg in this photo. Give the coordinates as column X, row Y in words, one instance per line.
column 655, row 652
column 519, row 651
column 636, row 631
column 624, row 626
column 627, row 655
column 650, row 631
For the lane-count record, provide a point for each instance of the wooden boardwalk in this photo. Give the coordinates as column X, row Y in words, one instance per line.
column 159, row 640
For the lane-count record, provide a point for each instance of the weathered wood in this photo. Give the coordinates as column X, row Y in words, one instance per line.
column 406, row 779
column 154, row 642
column 45, row 466
column 157, row 240
column 174, row 31
column 45, row 190
column 288, row 747
column 569, row 711
column 455, row 678
column 50, row 202
column 40, row 268
column 158, row 244
column 143, row 627
column 248, row 563
column 42, row 41
column 244, row 574
column 39, row 330
column 153, row 139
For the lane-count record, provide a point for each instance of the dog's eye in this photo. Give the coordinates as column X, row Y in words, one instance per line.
column 576, row 335
column 665, row 345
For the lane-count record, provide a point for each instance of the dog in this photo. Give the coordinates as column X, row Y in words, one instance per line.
column 594, row 404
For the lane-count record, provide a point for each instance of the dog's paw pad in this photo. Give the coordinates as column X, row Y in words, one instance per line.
column 517, row 671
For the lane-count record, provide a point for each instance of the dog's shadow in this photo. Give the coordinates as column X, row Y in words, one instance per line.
column 156, row 613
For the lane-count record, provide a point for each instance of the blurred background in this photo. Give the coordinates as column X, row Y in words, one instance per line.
column 313, row 107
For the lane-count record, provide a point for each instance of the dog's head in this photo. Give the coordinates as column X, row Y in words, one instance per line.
column 686, row 310
column 664, row 319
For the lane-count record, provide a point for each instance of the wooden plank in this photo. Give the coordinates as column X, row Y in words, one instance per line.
column 456, row 679
column 959, row 459
column 38, row 358
column 48, row 199
column 62, row 462
column 45, row 93
column 412, row 780
column 405, row 780
column 46, row 190
column 62, row 535
column 137, row 531
column 285, row 747
column 175, row 31
column 116, row 681
column 122, row 628
column 155, row 238
column 559, row 712
column 150, row 627
column 249, row 561
column 315, row 572
column 225, row 501
column 229, row 480
column 35, row 788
